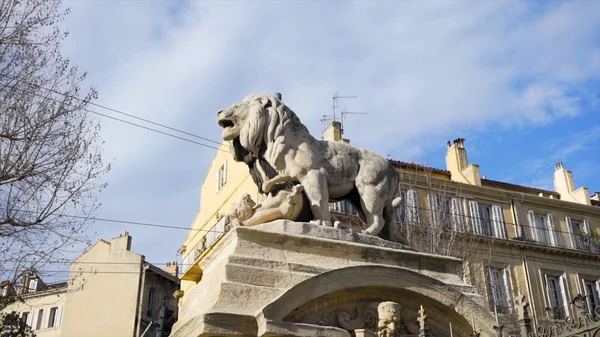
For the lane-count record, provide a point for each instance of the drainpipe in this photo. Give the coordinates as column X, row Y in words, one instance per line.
column 140, row 297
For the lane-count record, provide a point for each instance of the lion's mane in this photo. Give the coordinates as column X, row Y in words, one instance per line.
column 268, row 119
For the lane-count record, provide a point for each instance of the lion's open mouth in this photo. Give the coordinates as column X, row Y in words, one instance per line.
column 225, row 123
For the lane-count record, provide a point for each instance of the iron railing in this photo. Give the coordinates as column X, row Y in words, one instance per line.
column 444, row 220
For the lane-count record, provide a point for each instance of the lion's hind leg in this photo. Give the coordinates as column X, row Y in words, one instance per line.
column 372, row 207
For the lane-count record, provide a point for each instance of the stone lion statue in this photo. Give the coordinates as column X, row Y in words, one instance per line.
column 265, row 133
column 287, row 204
column 389, row 319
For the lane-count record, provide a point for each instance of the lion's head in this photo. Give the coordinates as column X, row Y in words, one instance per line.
column 257, row 121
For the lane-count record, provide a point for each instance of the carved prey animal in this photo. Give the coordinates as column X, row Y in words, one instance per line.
column 264, row 128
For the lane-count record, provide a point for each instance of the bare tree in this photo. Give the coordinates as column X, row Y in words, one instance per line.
column 50, row 151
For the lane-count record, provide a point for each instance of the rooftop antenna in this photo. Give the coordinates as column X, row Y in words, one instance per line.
column 345, row 115
column 335, row 101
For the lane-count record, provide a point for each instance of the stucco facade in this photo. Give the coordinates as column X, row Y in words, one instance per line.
column 112, row 291
column 543, row 244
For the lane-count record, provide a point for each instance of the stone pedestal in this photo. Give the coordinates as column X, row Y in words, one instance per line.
column 297, row 279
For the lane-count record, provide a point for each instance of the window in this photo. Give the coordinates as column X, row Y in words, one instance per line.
column 487, row 219
column 446, row 212
column 580, row 238
column 497, row 282
column 556, row 292
column 54, row 317
column 33, row 285
column 343, row 206
column 591, row 290
column 221, row 178
column 38, row 323
column 25, row 318
column 439, row 207
column 538, row 227
column 151, row 302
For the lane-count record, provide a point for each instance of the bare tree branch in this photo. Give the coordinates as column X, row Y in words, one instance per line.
column 50, row 150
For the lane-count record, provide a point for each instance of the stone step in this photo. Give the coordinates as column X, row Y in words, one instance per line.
column 274, row 264
column 240, row 298
column 267, row 277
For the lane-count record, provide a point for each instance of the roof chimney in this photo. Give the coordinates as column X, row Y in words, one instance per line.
column 333, row 132
column 122, row 242
column 458, row 164
column 564, row 184
column 172, row 268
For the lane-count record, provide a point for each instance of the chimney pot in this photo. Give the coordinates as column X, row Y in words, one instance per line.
column 558, row 165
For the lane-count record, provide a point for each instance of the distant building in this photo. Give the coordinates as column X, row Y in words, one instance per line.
column 543, row 244
column 111, row 291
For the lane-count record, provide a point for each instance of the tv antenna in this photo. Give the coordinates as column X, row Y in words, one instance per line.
column 343, row 115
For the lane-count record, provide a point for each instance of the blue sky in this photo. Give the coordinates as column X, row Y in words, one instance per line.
column 520, row 80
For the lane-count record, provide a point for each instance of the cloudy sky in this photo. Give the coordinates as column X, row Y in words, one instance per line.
column 520, row 80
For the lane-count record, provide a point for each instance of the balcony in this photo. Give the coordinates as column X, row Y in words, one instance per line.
column 496, row 228
column 424, row 218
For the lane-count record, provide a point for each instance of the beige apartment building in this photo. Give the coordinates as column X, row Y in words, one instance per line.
column 513, row 239
column 111, row 291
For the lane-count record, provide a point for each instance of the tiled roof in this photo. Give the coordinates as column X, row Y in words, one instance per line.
column 512, row 187
column 484, row 182
column 402, row 164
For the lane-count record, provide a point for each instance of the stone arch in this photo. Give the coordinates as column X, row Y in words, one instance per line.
column 379, row 283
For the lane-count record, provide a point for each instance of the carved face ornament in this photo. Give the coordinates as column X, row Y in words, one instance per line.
column 389, row 311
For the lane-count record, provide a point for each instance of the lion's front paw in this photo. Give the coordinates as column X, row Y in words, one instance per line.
column 316, row 222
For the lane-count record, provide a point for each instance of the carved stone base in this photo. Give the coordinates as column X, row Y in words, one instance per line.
column 297, row 279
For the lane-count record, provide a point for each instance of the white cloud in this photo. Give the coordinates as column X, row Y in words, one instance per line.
column 423, row 71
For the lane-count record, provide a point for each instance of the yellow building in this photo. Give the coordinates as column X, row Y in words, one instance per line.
column 111, row 291
column 513, row 239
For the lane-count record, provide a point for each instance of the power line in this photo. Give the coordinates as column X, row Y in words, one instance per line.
column 113, row 110
column 119, row 119
column 92, row 272
column 137, row 223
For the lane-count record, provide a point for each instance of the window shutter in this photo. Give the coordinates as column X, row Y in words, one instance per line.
column 570, row 230
column 554, row 236
column 457, row 217
column 46, row 319
column 531, row 217
column 565, row 297
column 34, row 319
column 498, row 219
column 224, row 172
column 434, row 210
column 507, row 289
column 58, row 317
column 491, row 287
column 413, row 206
column 586, row 227
column 29, row 320
column 475, row 217
column 548, row 297
column 218, row 180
